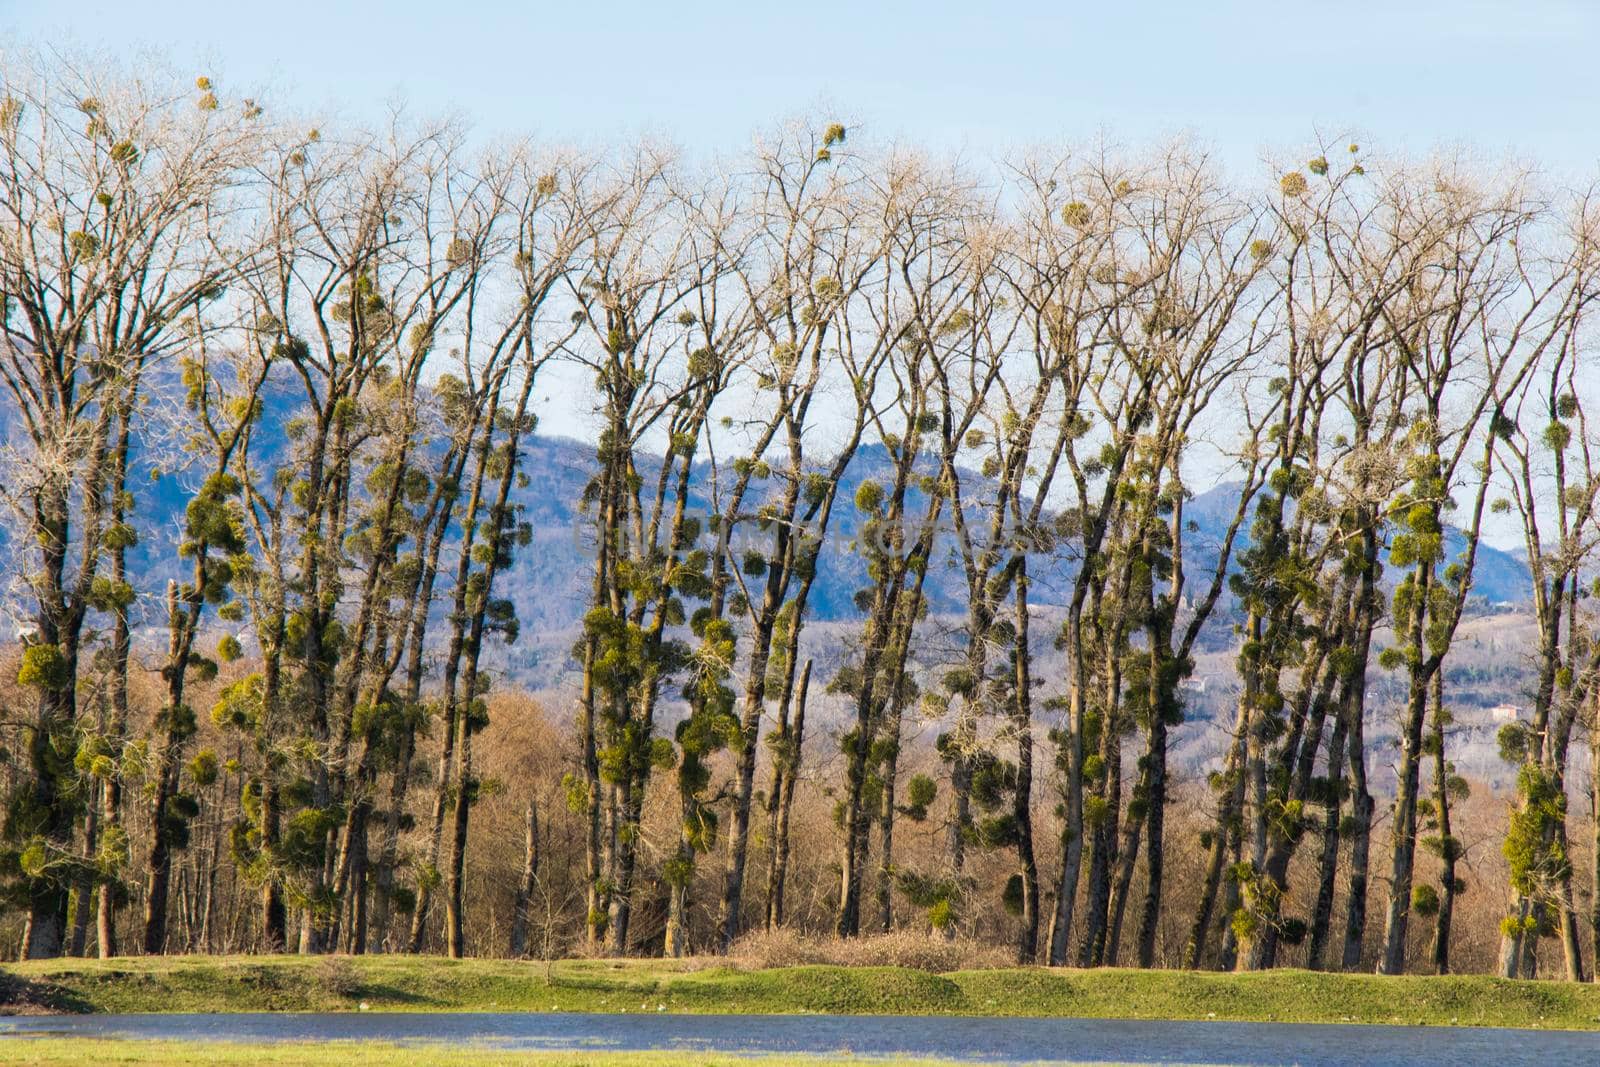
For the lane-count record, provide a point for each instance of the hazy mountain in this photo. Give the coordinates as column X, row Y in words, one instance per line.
column 1499, row 575
column 549, row 580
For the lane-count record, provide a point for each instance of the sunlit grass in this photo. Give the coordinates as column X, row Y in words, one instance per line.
column 408, row 983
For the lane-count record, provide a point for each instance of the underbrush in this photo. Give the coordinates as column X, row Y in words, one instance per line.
column 910, row 949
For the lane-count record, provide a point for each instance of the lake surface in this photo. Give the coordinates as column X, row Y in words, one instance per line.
column 980, row 1040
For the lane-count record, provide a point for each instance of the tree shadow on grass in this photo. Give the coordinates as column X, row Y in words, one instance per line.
column 384, row 995
column 32, row 996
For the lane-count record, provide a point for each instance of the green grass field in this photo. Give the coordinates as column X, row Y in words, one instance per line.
column 406, row 983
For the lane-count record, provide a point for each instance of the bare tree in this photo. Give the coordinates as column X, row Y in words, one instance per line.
column 117, row 193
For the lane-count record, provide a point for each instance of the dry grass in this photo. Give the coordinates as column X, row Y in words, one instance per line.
column 338, row 976
column 913, row 950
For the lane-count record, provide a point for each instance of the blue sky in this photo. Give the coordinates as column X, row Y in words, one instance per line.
column 1244, row 77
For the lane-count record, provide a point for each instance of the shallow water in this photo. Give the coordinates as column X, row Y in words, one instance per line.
column 983, row 1040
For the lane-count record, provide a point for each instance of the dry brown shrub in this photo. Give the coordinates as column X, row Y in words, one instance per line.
column 903, row 948
column 338, row 976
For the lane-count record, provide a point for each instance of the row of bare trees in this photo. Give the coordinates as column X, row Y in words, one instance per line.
column 327, row 347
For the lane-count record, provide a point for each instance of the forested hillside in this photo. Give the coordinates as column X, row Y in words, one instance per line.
column 546, row 582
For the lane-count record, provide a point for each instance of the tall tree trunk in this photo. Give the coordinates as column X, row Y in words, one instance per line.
column 214, row 850
column 439, row 515
column 1155, row 840
column 1257, row 805
column 630, row 803
column 1557, row 747
column 117, row 727
column 1103, row 846
column 1571, row 947
column 777, row 874
column 389, row 843
column 183, row 613
column 1294, row 772
column 1022, row 796
column 455, row 876
column 884, row 650
column 676, row 942
column 1127, row 860
column 1441, row 799
column 1361, row 811
column 441, row 797
column 963, row 738
column 1230, row 811
column 1594, row 848
column 455, row 696
column 857, row 821
column 1361, row 802
column 44, row 935
column 356, row 883
column 499, row 524
column 526, row 884
column 1403, row 862
column 889, row 746
column 1071, row 852
column 1072, row 824
column 596, row 905
column 159, row 859
column 596, row 868
column 888, row 773
column 1328, row 856
column 111, row 792
column 749, row 751
column 59, row 622
column 314, row 689
column 274, row 916
column 84, row 890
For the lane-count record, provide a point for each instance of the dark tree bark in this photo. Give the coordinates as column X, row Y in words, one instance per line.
column 1328, row 856
column 83, row 891
column 1441, row 800
column 526, row 884
column 501, row 525
column 1022, row 795
column 1355, row 712
column 1127, row 860
column 1230, row 813
column 778, row 872
column 1594, row 849
column 1104, row 842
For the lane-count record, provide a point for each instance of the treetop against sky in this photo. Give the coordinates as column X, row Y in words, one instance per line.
column 1250, row 80
column 1246, row 75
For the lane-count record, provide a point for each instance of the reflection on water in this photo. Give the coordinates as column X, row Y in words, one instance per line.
column 986, row 1040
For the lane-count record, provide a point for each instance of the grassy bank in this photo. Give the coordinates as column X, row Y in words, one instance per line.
column 403, row 983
